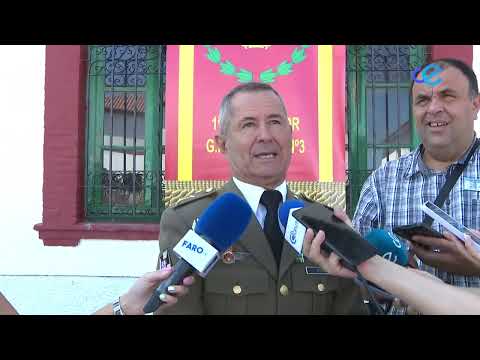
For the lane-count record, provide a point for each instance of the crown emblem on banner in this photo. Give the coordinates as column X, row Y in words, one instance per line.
column 256, row 46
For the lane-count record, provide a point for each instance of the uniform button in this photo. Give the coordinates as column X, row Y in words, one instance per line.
column 237, row 289
column 321, row 287
column 284, row 290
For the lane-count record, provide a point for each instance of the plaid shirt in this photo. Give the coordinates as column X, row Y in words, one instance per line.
column 394, row 193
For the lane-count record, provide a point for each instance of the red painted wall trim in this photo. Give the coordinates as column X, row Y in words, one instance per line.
column 461, row 52
column 70, row 235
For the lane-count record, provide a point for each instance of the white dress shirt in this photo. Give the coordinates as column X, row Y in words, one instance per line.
column 253, row 193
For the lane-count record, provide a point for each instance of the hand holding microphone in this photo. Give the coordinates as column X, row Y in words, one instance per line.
column 301, row 239
column 218, row 227
column 312, row 249
column 386, row 245
column 133, row 301
column 335, row 234
column 334, row 226
column 387, row 271
column 337, row 248
column 420, row 291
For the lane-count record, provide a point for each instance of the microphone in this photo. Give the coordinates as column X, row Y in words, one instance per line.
column 385, row 243
column 339, row 237
column 377, row 241
column 293, row 230
column 219, row 226
column 388, row 246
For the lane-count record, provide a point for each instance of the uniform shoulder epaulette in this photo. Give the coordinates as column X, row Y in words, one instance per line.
column 197, row 196
column 303, row 196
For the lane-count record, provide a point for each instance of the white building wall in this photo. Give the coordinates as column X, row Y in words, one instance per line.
column 35, row 278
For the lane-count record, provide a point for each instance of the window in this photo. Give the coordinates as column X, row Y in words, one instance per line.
column 124, row 133
column 380, row 122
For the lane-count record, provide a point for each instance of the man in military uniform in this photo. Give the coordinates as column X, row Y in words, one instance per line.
column 259, row 274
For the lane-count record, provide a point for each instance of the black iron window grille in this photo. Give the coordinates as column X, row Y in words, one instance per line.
column 124, row 164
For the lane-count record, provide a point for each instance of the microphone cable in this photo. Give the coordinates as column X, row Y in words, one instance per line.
column 374, row 307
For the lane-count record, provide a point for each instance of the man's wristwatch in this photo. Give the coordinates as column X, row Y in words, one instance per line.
column 117, row 309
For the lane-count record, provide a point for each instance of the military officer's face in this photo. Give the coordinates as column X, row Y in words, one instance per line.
column 258, row 139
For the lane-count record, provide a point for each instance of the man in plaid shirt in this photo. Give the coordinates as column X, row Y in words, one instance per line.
column 393, row 194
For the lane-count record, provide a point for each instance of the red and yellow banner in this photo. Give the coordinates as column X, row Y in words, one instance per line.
column 310, row 79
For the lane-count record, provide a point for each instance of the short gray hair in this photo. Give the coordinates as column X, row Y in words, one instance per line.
column 226, row 105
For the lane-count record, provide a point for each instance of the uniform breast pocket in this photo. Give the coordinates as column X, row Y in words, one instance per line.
column 232, row 290
column 314, row 293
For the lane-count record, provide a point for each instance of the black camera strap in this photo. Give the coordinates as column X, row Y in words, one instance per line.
column 450, row 182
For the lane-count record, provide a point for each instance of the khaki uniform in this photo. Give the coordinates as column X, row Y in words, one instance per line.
column 253, row 284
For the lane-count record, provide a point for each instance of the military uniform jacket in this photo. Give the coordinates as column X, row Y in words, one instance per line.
column 253, row 284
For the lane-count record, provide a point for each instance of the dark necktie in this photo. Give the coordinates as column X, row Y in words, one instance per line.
column 271, row 199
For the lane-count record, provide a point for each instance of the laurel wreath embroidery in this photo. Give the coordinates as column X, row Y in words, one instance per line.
column 267, row 76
